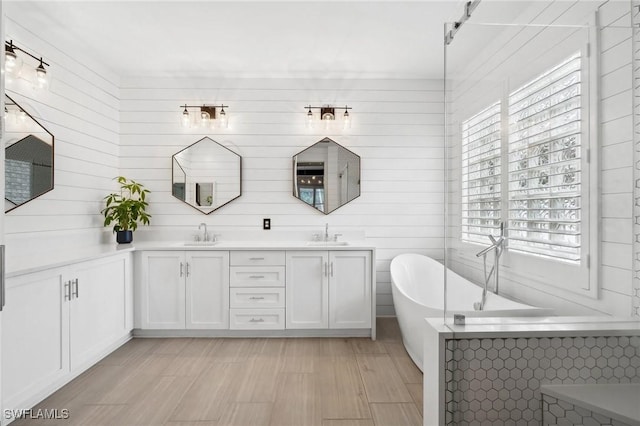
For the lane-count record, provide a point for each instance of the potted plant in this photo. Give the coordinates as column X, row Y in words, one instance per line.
column 126, row 209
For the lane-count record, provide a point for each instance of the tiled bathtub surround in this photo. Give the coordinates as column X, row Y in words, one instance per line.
column 496, row 381
column 613, row 404
column 558, row 412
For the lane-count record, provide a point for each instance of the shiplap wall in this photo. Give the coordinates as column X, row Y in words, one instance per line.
column 81, row 109
column 615, row 158
column 397, row 130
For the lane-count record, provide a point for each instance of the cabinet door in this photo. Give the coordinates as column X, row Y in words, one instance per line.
column 307, row 290
column 98, row 308
column 349, row 289
column 162, row 292
column 207, row 289
column 35, row 337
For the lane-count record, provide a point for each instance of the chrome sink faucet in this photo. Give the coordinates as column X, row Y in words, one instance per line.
column 206, row 234
column 326, row 232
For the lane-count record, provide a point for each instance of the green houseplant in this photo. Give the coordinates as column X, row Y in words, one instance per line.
column 125, row 210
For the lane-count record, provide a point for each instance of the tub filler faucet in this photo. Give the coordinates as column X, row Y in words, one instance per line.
column 497, row 245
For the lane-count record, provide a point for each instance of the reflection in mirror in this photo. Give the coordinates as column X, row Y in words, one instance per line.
column 206, row 175
column 28, row 156
column 326, row 176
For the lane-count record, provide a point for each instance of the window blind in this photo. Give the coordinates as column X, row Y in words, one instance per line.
column 544, row 151
column 481, row 175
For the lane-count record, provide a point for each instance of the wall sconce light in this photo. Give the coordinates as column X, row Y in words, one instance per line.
column 209, row 116
column 13, row 65
column 328, row 115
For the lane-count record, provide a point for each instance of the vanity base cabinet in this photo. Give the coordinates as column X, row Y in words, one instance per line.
column 162, row 296
column 35, row 338
column 184, row 290
column 257, row 295
column 59, row 322
column 329, row 289
column 307, row 290
column 98, row 309
column 350, row 289
column 207, row 290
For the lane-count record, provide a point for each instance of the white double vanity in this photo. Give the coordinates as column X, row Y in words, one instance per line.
column 286, row 289
column 66, row 312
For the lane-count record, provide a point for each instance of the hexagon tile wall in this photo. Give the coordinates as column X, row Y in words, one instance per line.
column 497, row 381
column 557, row 412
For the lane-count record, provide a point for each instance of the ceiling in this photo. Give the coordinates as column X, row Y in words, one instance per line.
column 296, row 38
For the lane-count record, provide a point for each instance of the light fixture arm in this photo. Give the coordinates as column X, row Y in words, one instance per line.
column 9, row 46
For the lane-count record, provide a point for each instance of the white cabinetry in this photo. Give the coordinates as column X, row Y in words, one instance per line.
column 257, row 290
column 307, row 289
column 328, row 289
column 184, row 290
column 58, row 322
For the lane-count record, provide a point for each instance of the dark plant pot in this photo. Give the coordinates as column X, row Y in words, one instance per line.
column 124, row 237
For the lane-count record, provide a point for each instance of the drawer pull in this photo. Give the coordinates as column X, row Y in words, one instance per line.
column 257, row 277
column 256, row 298
column 256, row 320
column 256, row 258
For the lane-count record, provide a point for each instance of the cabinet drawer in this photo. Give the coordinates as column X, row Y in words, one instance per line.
column 257, row 297
column 258, row 257
column 257, row 276
column 257, row 319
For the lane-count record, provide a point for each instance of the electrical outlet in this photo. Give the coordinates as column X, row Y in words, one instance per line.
column 266, row 223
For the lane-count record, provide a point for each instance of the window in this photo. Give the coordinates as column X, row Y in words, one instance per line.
column 481, row 175
column 542, row 184
column 545, row 164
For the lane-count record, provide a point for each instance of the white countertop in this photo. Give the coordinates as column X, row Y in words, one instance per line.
column 43, row 259
column 618, row 401
column 39, row 260
column 252, row 245
column 548, row 326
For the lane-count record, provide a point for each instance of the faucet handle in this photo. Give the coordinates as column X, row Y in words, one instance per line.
column 335, row 236
column 214, row 237
column 315, row 237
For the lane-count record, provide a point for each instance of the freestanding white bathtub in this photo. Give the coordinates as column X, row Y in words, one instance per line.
column 417, row 285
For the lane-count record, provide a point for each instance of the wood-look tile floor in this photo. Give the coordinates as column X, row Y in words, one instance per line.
column 247, row 382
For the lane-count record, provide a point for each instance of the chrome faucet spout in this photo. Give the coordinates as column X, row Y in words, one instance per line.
column 326, row 232
column 206, row 234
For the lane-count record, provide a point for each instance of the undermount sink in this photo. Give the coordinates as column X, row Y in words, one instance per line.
column 200, row 243
column 327, row 243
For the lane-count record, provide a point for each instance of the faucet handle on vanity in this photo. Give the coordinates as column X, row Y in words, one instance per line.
column 335, row 236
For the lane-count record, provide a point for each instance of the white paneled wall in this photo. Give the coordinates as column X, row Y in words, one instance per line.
column 81, row 109
column 615, row 158
column 397, row 130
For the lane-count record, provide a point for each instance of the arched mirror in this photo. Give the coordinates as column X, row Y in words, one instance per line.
column 326, row 176
column 206, row 175
column 28, row 160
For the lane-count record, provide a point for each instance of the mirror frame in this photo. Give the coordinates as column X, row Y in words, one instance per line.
column 295, row 175
column 174, row 160
column 53, row 157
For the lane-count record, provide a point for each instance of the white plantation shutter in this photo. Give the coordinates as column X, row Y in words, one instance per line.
column 481, row 175
column 545, row 151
